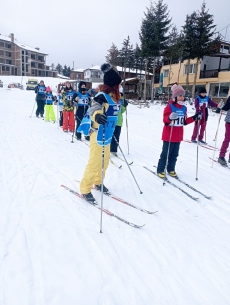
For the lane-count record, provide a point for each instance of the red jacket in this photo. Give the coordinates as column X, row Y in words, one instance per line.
column 177, row 131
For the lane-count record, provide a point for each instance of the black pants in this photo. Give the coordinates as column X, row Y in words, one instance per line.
column 81, row 111
column 172, row 157
column 114, row 145
column 40, row 108
column 61, row 118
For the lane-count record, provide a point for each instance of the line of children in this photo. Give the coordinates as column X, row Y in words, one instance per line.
column 174, row 118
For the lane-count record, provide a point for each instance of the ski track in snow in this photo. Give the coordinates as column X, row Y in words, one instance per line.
column 51, row 251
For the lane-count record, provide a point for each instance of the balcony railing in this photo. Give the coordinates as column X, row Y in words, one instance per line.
column 209, row 74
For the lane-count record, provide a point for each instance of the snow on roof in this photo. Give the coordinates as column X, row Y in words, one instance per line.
column 62, row 76
column 119, row 69
column 79, row 70
column 21, row 45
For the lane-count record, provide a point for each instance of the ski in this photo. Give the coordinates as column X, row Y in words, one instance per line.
column 129, row 204
column 191, row 187
column 170, row 182
column 102, row 209
column 115, row 164
column 207, row 146
column 130, row 163
column 225, row 166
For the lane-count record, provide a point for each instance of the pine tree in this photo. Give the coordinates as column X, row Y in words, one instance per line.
column 59, row 68
column 153, row 33
column 124, row 54
column 206, row 44
column 112, row 55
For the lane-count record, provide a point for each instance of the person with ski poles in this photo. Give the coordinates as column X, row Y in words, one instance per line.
column 60, row 108
column 174, row 118
column 68, row 108
column 117, row 131
column 202, row 102
column 103, row 112
column 49, row 110
column 225, row 107
column 40, row 98
column 81, row 100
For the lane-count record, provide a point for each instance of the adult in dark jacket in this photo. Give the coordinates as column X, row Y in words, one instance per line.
column 202, row 102
column 225, row 144
column 40, row 98
column 81, row 100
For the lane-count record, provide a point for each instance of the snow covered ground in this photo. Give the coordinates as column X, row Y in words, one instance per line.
column 51, row 250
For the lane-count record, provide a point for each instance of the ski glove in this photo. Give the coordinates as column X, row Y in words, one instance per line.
column 173, row 116
column 101, row 119
column 197, row 116
column 221, row 104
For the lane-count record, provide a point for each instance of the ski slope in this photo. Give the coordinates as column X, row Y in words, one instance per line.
column 51, row 248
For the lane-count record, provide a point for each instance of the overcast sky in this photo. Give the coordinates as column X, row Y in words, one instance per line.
column 83, row 31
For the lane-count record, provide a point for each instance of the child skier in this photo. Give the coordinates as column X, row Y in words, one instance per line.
column 174, row 118
column 117, row 131
column 49, row 110
column 68, row 108
column 40, row 98
column 201, row 104
column 225, row 144
column 60, row 108
column 103, row 113
column 82, row 100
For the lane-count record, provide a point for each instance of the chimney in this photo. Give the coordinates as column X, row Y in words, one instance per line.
column 12, row 37
column 37, row 48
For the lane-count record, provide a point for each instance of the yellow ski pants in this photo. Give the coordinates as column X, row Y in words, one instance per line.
column 93, row 171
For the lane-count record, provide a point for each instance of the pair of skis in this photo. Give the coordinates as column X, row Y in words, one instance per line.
column 111, row 213
column 183, row 182
column 207, row 146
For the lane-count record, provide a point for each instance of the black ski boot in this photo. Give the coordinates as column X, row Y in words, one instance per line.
column 105, row 190
column 89, row 198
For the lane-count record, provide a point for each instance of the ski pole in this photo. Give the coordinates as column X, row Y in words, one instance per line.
column 57, row 105
column 167, row 158
column 127, row 164
column 102, row 173
column 127, row 131
column 33, row 109
column 197, row 150
column 216, row 137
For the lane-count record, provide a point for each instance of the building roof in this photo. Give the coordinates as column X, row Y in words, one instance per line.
column 21, row 45
column 79, row 70
column 119, row 69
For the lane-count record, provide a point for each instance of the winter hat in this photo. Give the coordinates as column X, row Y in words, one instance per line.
column 202, row 90
column 177, row 90
column 48, row 89
column 80, row 84
column 111, row 77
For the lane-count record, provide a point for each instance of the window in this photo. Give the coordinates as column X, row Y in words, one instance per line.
column 224, row 49
column 191, row 69
column 33, row 56
column 1, row 44
column 166, row 73
column 219, row 89
column 1, row 52
column 7, row 68
column 8, row 46
column 33, row 64
column 3, row 68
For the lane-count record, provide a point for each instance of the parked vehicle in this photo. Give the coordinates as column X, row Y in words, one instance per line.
column 32, row 84
column 15, row 85
column 1, row 84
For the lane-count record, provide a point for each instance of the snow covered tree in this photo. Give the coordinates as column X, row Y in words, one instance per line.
column 59, row 68
column 112, row 55
column 153, row 33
